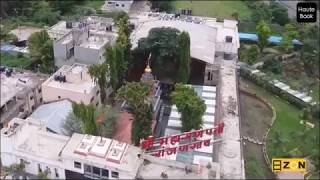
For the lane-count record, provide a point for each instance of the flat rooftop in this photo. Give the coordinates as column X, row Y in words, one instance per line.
column 35, row 141
column 77, row 79
column 18, row 83
column 230, row 153
column 153, row 167
column 110, row 153
column 95, row 42
column 206, row 37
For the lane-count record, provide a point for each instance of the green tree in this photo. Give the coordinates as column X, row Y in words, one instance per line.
column 273, row 65
column 184, row 57
column 289, row 34
column 251, row 55
column 279, row 13
column 263, row 32
column 309, row 35
column 74, row 124
column 43, row 13
column 190, row 105
column 99, row 73
column 86, row 113
column 136, row 95
column 118, row 56
column 163, row 44
column 41, row 48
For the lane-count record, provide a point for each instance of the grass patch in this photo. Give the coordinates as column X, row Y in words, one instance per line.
column 222, row 9
column 254, row 169
column 96, row 4
column 288, row 125
column 15, row 61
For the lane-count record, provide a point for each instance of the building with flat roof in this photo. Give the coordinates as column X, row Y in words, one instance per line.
column 21, row 93
column 73, row 83
column 82, row 41
column 85, row 156
column 215, row 44
column 117, row 5
column 28, row 142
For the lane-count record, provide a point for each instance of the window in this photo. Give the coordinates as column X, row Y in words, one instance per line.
column 115, row 174
column 87, row 169
column 97, row 104
column 98, row 92
column 39, row 90
column 96, row 171
column 77, row 165
column 32, row 108
column 92, row 99
column 209, row 75
column 59, row 97
column 31, row 97
column 56, row 172
column 117, row 5
column 105, row 173
column 122, row 5
column 41, row 100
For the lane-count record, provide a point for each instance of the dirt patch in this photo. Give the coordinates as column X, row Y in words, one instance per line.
column 255, row 119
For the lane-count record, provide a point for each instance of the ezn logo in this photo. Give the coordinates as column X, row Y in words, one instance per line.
column 288, row 165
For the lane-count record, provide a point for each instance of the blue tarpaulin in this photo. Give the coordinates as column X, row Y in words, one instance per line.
column 272, row 39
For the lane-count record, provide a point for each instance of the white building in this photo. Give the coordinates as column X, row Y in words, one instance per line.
column 28, row 142
column 86, row 157
column 73, row 83
column 82, row 42
column 21, row 93
column 117, row 5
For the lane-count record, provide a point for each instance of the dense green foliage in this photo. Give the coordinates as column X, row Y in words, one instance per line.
column 310, row 49
column 263, row 33
column 190, row 105
column 251, row 54
column 15, row 61
column 270, row 13
column 86, row 114
column 170, row 51
column 83, row 120
column 289, row 34
column 99, row 73
column 184, row 57
column 136, row 95
column 41, row 48
column 273, row 65
column 118, row 56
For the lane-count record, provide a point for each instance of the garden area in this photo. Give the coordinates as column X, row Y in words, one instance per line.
column 288, row 137
column 17, row 61
column 254, row 125
column 223, row 9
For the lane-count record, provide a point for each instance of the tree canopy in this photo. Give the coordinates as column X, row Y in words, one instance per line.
column 251, row 55
column 136, row 95
column 99, row 73
column 184, row 57
column 190, row 105
column 289, row 34
column 118, row 56
column 83, row 120
column 41, row 48
column 263, row 33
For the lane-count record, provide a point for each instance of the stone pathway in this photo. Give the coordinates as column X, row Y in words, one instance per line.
column 252, row 140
